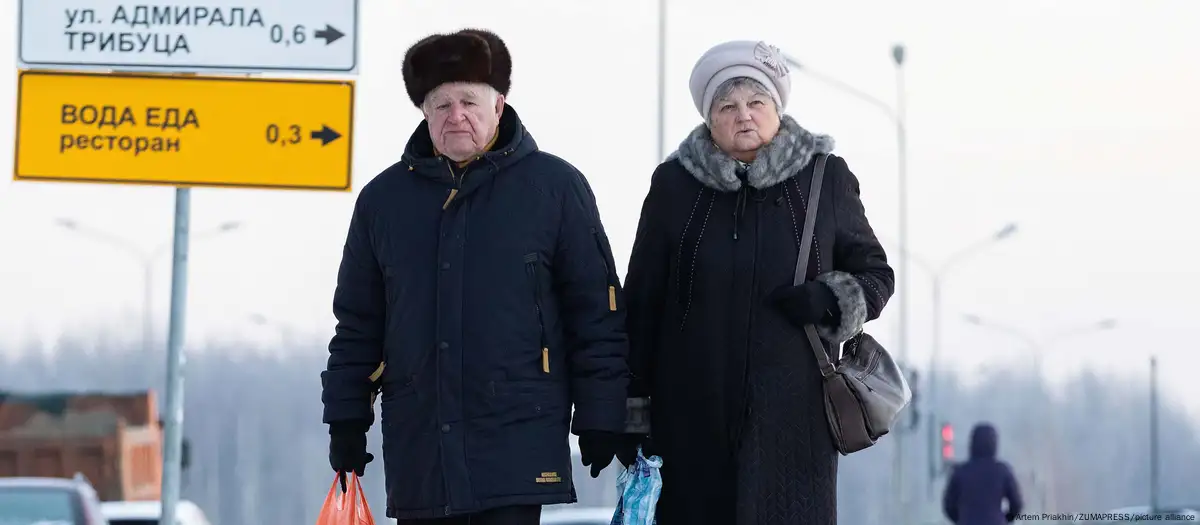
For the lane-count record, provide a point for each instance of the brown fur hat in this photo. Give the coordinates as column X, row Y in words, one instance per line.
column 469, row 55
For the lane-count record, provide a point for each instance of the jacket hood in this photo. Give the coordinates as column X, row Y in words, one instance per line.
column 782, row 158
column 984, row 441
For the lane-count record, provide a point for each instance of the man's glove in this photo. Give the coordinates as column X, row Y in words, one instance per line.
column 808, row 303
column 348, row 448
column 597, row 449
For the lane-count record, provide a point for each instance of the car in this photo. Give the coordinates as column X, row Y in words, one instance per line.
column 571, row 515
column 149, row 513
column 49, row 501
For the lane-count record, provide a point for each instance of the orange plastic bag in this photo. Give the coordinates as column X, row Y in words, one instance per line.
column 346, row 508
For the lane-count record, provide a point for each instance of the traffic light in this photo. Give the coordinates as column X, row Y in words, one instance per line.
column 947, row 446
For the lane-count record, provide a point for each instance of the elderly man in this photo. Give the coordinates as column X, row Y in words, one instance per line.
column 477, row 294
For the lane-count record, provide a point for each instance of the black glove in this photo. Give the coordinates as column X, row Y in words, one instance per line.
column 597, row 449
column 808, row 303
column 348, row 449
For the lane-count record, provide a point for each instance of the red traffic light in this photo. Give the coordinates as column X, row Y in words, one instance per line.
column 947, row 442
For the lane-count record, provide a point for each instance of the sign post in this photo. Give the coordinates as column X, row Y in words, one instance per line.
column 157, row 123
column 173, row 433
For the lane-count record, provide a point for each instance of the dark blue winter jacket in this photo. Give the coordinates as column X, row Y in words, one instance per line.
column 491, row 294
column 978, row 487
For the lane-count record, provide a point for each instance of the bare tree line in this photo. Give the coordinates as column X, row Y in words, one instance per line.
column 259, row 452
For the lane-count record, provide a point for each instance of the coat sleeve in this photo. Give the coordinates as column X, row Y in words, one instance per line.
column 590, row 297
column 950, row 497
column 1012, row 493
column 862, row 280
column 356, row 349
column 646, row 292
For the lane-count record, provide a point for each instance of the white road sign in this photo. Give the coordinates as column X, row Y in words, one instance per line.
column 236, row 36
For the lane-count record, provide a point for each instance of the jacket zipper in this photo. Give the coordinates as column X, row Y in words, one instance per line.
column 531, row 268
column 747, row 410
column 608, row 273
column 457, row 180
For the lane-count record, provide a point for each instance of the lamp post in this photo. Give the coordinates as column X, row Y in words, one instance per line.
column 897, row 115
column 662, row 81
column 1038, row 347
column 937, row 274
column 144, row 258
column 935, row 352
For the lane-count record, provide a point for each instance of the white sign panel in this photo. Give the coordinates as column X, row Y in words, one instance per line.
column 236, row 36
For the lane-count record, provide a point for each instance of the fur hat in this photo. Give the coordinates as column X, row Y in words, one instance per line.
column 469, row 55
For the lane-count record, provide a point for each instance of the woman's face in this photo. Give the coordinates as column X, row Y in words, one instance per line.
column 742, row 121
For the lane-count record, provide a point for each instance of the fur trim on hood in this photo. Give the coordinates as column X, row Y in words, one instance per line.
column 781, row 159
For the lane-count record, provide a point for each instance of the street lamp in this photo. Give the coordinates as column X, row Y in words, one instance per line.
column 935, row 354
column 897, row 115
column 662, row 81
column 144, row 258
column 1039, row 346
column 937, row 274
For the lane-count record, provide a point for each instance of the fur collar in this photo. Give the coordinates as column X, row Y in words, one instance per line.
column 781, row 159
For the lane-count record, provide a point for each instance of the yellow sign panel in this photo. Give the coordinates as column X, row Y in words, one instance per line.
column 184, row 130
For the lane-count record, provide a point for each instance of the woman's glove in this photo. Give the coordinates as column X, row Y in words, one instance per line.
column 808, row 303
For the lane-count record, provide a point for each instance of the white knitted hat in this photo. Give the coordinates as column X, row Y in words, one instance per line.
column 740, row 58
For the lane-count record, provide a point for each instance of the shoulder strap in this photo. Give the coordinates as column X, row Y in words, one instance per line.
column 806, row 243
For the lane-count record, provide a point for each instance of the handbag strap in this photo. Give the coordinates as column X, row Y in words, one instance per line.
column 806, row 243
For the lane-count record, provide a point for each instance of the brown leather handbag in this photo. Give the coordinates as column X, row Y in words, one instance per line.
column 865, row 389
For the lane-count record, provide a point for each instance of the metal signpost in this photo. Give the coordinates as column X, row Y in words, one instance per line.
column 123, row 104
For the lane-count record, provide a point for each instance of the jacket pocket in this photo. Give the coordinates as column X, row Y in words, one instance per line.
column 610, row 276
column 531, row 269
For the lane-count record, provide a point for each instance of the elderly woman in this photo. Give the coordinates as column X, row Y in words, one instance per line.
column 715, row 324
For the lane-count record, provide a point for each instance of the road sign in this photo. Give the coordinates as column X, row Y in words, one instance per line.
column 184, row 130
column 236, row 36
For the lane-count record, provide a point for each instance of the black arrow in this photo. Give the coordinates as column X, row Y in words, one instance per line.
column 326, row 134
column 330, row 34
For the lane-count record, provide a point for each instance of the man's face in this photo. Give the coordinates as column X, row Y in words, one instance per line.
column 462, row 118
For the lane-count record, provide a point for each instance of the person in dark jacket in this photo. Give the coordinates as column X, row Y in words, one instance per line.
column 478, row 296
column 977, row 489
column 715, row 325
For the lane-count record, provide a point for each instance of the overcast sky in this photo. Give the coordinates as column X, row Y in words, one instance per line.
column 1075, row 119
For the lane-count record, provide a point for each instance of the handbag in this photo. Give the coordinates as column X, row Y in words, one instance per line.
column 865, row 389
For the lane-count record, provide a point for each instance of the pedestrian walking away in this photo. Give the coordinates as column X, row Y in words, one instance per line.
column 477, row 295
column 983, row 490
column 715, row 324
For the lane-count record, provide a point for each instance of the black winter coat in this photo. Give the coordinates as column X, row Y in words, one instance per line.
column 982, row 491
column 490, row 293
column 736, row 402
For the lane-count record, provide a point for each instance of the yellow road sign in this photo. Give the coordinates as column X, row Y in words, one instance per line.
column 184, row 130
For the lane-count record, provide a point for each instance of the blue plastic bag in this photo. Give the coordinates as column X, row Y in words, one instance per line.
column 638, row 488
